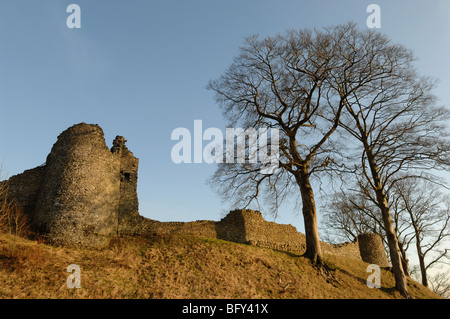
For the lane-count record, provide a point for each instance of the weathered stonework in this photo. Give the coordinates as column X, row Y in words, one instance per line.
column 24, row 188
column 372, row 250
column 240, row 226
column 249, row 227
column 347, row 250
column 128, row 203
column 77, row 197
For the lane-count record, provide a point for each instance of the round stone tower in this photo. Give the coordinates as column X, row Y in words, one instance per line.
column 371, row 249
column 78, row 203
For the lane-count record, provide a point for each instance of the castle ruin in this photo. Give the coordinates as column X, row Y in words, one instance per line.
column 82, row 191
column 85, row 194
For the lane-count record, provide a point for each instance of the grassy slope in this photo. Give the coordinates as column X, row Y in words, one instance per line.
column 182, row 267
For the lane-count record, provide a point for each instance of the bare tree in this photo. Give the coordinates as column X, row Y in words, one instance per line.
column 347, row 214
column 353, row 211
column 440, row 284
column 420, row 213
column 288, row 82
column 394, row 117
column 427, row 211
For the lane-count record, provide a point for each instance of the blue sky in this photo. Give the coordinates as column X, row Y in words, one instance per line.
column 140, row 68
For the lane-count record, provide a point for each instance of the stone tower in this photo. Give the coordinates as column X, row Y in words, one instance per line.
column 371, row 249
column 79, row 200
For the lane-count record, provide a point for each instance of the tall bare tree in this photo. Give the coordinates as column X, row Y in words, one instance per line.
column 427, row 211
column 288, row 82
column 396, row 121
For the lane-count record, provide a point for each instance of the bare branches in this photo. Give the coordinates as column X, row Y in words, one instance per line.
column 290, row 82
column 421, row 214
column 13, row 220
column 344, row 100
column 440, row 284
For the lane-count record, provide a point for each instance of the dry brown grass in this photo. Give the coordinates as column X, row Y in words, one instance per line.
column 182, row 267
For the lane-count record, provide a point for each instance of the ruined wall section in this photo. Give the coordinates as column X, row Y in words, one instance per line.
column 248, row 226
column 132, row 225
column 24, row 188
column 203, row 228
column 239, row 226
column 79, row 198
column 128, row 203
column 347, row 250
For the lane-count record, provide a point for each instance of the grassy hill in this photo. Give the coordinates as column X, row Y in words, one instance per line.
column 183, row 267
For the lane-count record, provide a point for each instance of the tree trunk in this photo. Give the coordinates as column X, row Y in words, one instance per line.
column 405, row 261
column 313, row 249
column 423, row 269
column 394, row 250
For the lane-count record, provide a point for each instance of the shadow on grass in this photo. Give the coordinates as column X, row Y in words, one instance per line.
column 389, row 290
column 289, row 253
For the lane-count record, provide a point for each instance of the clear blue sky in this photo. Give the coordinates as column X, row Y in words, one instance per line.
column 139, row 69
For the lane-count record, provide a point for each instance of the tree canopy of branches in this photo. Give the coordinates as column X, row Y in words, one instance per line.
column 310, row 84
column 426, row 211
column 288, row 82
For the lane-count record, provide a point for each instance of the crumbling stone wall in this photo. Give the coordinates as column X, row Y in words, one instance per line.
column 347, row 250
column 137, row 225
column 240, row 226
column 24, row 188
column 372, row 250
column 248, row 226
column 128, row 202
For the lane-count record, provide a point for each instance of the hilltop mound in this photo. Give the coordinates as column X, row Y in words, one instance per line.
column 183, row 267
